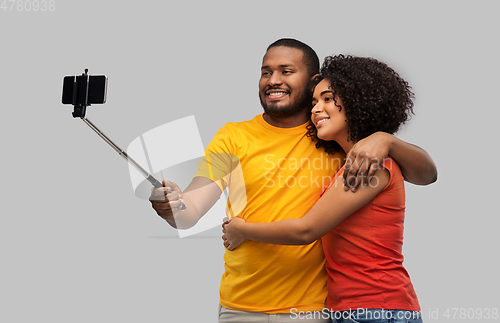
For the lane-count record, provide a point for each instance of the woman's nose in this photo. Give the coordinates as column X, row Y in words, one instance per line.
column 317, row 108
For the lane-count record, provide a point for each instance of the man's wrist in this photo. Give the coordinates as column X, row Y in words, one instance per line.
column 390, row 142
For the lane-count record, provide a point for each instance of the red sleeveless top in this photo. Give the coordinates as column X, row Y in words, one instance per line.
column 364, row 253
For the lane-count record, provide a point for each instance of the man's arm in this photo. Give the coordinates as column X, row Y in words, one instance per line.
column 366, row 155
column 200, row 195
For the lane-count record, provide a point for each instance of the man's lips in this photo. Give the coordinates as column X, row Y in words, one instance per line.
column 276, row 94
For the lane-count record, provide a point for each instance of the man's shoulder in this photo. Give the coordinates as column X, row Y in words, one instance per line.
column 233, row 132
column 252, row 121
column 241, row 125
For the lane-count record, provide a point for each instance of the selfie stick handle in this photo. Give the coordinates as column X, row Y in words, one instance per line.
column 122, row 153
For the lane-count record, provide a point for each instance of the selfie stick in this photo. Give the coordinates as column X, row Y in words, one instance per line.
column 122, row 153
column 80, row 100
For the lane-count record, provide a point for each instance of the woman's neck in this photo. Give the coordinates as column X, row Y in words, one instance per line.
column 345, row 144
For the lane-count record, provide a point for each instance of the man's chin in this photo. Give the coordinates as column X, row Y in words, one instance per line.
column 284, row 108
column 281, row 112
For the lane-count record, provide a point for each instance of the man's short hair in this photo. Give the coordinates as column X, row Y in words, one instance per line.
column 310, row 57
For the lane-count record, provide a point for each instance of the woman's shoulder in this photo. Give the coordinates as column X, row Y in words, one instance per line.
column 392, row 166
column 396, row 178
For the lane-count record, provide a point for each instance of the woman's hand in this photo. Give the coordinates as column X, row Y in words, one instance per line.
column 233, row 235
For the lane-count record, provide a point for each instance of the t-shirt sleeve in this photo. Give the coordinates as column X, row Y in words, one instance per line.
column 218, row 159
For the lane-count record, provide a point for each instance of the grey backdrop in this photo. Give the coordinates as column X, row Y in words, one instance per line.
column 78, row 246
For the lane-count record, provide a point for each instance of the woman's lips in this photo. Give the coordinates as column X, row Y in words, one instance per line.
column 321, row 121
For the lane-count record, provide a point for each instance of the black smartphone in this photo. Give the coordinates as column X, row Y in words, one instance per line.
column 74, row 89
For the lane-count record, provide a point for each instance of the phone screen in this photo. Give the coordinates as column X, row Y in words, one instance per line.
column 97, row 89
column 96, row 94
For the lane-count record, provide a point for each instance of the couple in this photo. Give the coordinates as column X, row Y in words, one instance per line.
column 267, row 279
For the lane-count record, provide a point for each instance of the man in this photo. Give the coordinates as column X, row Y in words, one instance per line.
column 284, row 175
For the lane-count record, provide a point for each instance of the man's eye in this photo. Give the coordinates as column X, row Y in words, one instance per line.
column 266, row 73
column 287, row 72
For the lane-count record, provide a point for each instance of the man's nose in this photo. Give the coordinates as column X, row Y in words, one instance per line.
column 275, row 79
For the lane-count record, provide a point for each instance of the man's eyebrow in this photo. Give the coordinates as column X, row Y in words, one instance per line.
column 282, row 66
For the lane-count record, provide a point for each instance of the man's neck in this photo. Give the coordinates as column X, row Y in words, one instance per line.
column 287, row 122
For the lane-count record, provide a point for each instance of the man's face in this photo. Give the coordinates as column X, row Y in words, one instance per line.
column 284, row 82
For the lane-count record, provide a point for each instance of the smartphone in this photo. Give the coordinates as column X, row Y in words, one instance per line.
column 75, row 89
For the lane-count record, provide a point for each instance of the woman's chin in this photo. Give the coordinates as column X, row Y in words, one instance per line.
column 323, row 137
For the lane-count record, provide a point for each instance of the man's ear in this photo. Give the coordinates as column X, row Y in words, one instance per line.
column 314, row 80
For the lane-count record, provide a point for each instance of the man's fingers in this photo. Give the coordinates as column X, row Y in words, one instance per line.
column 174, row 196
column 351, row 176
column 164, row 193
column 164, row 209
column 171, row 186
column 353, row 183
column 347, row 167
column 161, row 205
column 363, row 173
column 174, row 205
column 159, row 193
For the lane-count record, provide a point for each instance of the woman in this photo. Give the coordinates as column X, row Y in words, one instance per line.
column 362, row 232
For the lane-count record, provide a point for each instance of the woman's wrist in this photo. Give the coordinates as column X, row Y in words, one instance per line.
column 242, row 227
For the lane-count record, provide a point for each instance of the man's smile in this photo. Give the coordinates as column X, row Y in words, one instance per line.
column 276, row 94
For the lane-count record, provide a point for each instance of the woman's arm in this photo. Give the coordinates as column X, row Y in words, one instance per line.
column 331, row 209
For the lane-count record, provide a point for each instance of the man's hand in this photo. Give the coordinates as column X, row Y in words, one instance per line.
column 232, row 236
column 364, row 159
column 167, row 201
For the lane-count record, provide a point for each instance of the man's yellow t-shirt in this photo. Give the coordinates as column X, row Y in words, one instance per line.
column 282, row 174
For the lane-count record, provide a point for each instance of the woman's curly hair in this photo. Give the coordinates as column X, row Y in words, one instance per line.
column 374, row 96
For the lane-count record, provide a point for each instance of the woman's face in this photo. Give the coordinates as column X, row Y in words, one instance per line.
column 327, row 115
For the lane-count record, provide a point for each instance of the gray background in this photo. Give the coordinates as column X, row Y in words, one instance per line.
column 78, row 246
